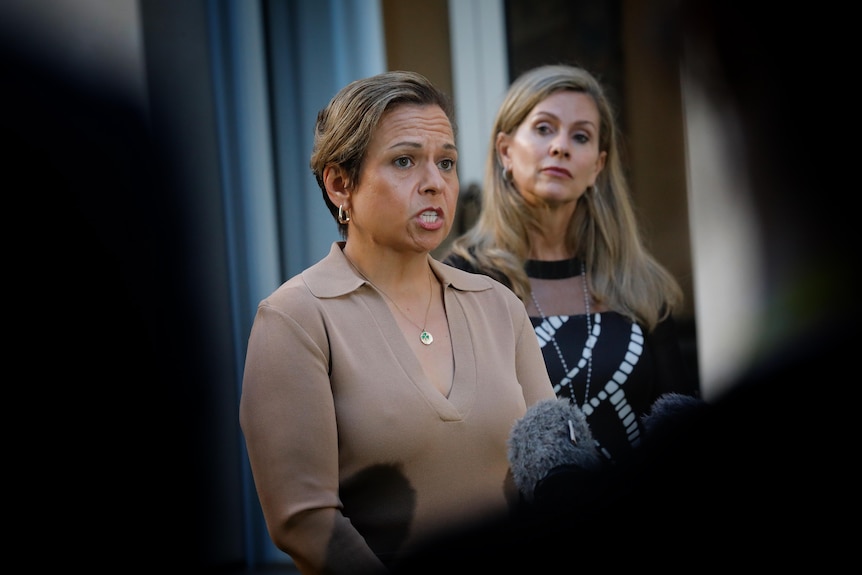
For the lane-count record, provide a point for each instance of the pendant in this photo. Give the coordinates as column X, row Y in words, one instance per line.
column 426, row 338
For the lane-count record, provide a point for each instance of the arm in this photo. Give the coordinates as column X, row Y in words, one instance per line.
column 288, row 418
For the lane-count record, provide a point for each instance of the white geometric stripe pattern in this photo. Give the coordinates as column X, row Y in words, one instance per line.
column 612, row 390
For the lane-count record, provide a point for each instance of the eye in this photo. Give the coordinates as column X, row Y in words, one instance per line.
column 403, row 162
column 544, row 129
column 447, row 164
column 582, row 138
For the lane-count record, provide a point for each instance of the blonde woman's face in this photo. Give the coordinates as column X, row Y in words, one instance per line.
column 408, row 189
column 554, row 154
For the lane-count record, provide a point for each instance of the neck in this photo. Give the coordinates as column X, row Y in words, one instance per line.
column 409, row 295
column 549, row 246
column 396, row 274
column 548, row 241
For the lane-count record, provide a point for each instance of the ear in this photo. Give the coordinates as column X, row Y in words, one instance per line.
column 600, row 162
column 338, row 187
column 502, row 146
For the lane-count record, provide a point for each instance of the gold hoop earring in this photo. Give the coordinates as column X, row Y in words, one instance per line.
column 343, row 215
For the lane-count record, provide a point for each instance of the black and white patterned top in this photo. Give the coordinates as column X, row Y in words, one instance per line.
column 630, row 368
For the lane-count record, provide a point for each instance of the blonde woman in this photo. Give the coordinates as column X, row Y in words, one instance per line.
column 557, row 226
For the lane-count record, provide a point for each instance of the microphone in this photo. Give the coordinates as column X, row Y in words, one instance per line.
column 552, row 434
column 670, row 410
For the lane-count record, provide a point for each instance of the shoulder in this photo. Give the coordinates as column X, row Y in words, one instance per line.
column 291, row 306
column 458, row 277
column 460, row 262
column 469, row 265
column 466, row 279
column 329, row 278
column 487, row 294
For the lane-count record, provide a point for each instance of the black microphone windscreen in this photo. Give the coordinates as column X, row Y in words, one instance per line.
column 669, row 409
column 552, row 433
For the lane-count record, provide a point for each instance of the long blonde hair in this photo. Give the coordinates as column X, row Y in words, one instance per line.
column 603, row 232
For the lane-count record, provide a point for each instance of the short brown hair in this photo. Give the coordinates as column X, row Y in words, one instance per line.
column 345, row 126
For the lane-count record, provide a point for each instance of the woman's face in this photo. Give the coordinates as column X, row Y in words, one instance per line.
column 554, row 153
column 408, row 185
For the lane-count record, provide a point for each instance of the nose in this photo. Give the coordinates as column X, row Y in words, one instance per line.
column 560, row 147
column 434, row 181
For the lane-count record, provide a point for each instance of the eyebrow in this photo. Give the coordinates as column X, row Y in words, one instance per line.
column 416, row 145
column 541, row 113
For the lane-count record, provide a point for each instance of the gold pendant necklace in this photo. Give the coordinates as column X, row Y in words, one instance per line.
column 424, row 335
